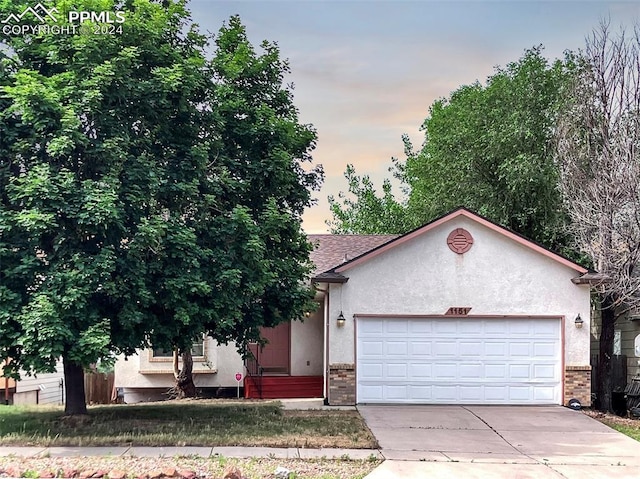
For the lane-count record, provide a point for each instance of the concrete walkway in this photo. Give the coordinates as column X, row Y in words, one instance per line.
column 498, row 442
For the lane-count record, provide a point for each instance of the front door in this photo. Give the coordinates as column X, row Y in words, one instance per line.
column 274, row 356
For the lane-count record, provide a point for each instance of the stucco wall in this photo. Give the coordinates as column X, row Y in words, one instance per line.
column 222, row 362
column 496, row 276
column 307, row 344
column 217, row 369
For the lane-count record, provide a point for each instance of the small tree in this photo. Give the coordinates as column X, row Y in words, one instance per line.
column 598, row 141
column 368, row 213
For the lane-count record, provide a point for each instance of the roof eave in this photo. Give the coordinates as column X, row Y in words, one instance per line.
column 333, row 278
column 591, row 278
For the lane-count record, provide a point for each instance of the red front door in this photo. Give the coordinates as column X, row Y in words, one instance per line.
column 274, row 357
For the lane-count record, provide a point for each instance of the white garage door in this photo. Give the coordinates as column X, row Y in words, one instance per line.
column 458, row 361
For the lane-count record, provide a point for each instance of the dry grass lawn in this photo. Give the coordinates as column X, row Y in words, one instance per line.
column 185, row 423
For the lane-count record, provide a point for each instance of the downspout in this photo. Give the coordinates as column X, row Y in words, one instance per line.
column 325, row 342
column 6, row 385
column 325, row 352
column 325, row 379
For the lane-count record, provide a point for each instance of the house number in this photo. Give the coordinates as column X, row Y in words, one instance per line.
column 457, row 311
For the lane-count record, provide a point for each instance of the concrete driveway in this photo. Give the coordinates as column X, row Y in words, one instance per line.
column 498, row 442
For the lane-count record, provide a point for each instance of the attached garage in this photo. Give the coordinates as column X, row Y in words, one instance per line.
column 459, row 360
column 458, row 311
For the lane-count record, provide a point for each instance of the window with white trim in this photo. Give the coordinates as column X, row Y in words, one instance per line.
column 197, row 351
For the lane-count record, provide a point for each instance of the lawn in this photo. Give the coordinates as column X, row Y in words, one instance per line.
column 630, row 427
column 185, row 423
column 632, row 431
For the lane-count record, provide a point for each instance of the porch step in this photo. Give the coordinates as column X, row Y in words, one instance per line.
column 284, row 387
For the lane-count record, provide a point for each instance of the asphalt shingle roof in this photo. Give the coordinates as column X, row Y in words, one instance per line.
column 333, row 250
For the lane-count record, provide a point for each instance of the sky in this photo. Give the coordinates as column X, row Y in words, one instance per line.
column 365, row 72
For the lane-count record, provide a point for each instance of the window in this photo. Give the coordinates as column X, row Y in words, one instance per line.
column 197, row 351
column 617, row 342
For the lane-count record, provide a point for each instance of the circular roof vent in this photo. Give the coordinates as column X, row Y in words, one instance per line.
column 459, row 241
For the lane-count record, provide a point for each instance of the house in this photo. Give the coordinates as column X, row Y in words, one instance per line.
column 458, row 311
column 627, row 342
column 42, row 388
column 626, row 347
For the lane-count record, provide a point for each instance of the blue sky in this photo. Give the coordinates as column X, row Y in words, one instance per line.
column 366, row 72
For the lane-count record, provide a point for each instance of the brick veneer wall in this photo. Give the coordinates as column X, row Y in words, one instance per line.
column 342, row 384
column 577, row 384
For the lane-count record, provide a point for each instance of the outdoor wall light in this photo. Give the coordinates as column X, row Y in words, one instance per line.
column 579, row 322
column 341, row 320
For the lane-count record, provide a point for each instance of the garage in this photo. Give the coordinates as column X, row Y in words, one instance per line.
column 459, row 360
column 458, row 311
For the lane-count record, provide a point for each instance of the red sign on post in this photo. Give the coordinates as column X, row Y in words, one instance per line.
column 238, row 378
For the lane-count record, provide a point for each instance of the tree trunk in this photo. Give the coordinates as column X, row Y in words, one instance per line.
column 184, row 377
column 604, row 387
column 74, row 388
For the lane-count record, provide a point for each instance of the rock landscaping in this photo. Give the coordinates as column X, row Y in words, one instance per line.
column 182, row 468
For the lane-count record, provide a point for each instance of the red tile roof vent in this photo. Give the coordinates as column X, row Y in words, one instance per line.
column 459, row 241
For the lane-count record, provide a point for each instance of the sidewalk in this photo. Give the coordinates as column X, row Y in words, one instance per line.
column 194, row 451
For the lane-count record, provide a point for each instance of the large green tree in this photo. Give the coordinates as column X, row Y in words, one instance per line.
column 149, row 195
column 488, row 147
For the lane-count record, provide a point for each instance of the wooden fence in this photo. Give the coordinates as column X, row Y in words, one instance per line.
column 98, row 387
column 618, row 372
column 618, row 382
